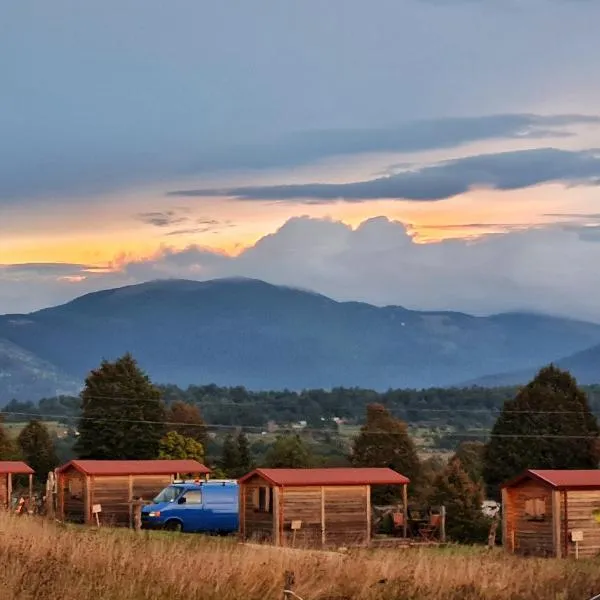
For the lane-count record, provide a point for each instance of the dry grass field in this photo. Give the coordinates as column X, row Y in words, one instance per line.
column 40, row 560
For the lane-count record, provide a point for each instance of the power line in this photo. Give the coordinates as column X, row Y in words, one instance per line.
column 481, row 433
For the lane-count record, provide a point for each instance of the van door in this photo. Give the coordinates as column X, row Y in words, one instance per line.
column 190, row 510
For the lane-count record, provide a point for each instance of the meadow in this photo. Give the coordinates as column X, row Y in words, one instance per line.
column 41, row 559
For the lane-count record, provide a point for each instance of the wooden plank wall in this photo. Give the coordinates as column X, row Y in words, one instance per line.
column 581, row 505
column 347, row 516
column 4, row 491
column 532, row 538
column 302, row 504
column 112, row 493
column 256, row 526
column 149, row 486
column 73, row 496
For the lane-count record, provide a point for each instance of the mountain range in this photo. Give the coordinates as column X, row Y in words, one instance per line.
column 248, row 332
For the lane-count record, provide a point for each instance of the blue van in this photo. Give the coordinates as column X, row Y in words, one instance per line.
column 195, row 506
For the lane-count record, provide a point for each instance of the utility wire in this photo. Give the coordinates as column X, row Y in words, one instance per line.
column 481, row 433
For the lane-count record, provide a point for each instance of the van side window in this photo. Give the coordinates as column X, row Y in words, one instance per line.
column 193, row 497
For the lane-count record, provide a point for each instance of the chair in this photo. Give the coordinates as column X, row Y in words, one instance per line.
column 427, row 532
column 398, row 521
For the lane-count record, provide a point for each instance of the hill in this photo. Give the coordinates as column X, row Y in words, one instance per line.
column 584, row 365
column 247, row 332
column 22, row 374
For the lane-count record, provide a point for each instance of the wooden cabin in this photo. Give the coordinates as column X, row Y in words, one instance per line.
column 9, row 468
column 315, row 508
column 108, row 487
column 552, row 513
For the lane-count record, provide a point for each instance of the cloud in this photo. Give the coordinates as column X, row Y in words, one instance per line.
column 549, row 269
column 162, row 218
column 502, row 171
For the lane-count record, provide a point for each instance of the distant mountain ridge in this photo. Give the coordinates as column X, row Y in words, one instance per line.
column 247, row 332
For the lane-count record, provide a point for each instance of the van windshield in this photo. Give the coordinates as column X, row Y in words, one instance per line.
column 167, row 495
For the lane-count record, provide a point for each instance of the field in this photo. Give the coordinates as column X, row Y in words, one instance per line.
column 40, row 559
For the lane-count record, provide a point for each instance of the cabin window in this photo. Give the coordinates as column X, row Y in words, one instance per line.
column 263, row 499
column 535, row 509
column 193, row 497
column 75, row 488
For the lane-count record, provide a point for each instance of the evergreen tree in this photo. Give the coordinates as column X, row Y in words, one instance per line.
column 289, row 451
column 471, row 455
column 186, row 420
column 230, row 458
column 8, row 449
column 176, row 446
column 122, row 413
column 384, row 442
column 38, row 449
column 548, row 425
column 244, row 455
column 463, row 499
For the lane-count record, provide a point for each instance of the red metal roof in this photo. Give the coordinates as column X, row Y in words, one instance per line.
column 561, row 479
column 333, row 476
column 15, row 467
column 136, row 467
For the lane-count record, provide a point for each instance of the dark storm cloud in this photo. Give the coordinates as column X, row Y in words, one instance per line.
column 502, row 171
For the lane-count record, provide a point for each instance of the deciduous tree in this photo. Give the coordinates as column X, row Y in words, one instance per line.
column 384, row 442
column 289, row 451
column 186, row 420
column 37, row 449
column 548, row 425
column 176, row 446
column 463, row 500
column 122, row 413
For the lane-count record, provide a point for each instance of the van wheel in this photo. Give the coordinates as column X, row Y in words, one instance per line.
column 173, row 526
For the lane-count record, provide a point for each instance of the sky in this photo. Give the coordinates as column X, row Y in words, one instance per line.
column 436, row 154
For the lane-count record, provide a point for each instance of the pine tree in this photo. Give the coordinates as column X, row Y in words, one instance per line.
column 548, row 425
column 38, row 449
column 186, row 420
column 230, row 458
column 177, row 446
column 471, row 456
column 8, row 449
column 289, row 451
column 244, row 455
column 463, row 500
column 122, row 413
column 384, row 442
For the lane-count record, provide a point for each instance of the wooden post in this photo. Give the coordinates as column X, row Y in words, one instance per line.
column 405, row 508
column 443, row 524
column 493, row 529
column 130, row 500
column 242, row 511
column 556, row 546
column 50, row 495
column 137, row 514
column 30, row 500
column 8, row 491
column 504, row 509
column 323, row 533
column 288, row 584
column 87, row 500
column 369, row 515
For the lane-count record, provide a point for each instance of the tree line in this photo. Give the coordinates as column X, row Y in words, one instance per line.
column 546, row 424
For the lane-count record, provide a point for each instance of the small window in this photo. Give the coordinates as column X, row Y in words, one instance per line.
column 193, row 497
column 535, row 509
column 263, row 499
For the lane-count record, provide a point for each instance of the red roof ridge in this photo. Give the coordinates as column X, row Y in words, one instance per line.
column 15, row 467
column 329, row 476
column 560, row 478
column 136, row 467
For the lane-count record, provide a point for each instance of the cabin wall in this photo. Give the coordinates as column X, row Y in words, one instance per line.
column 301, row 504
column 72, row 494
column 257, row 524
column 583, row 514
column 347, row 516
column 525, row 534
column 4, row 499
column 149, row 486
